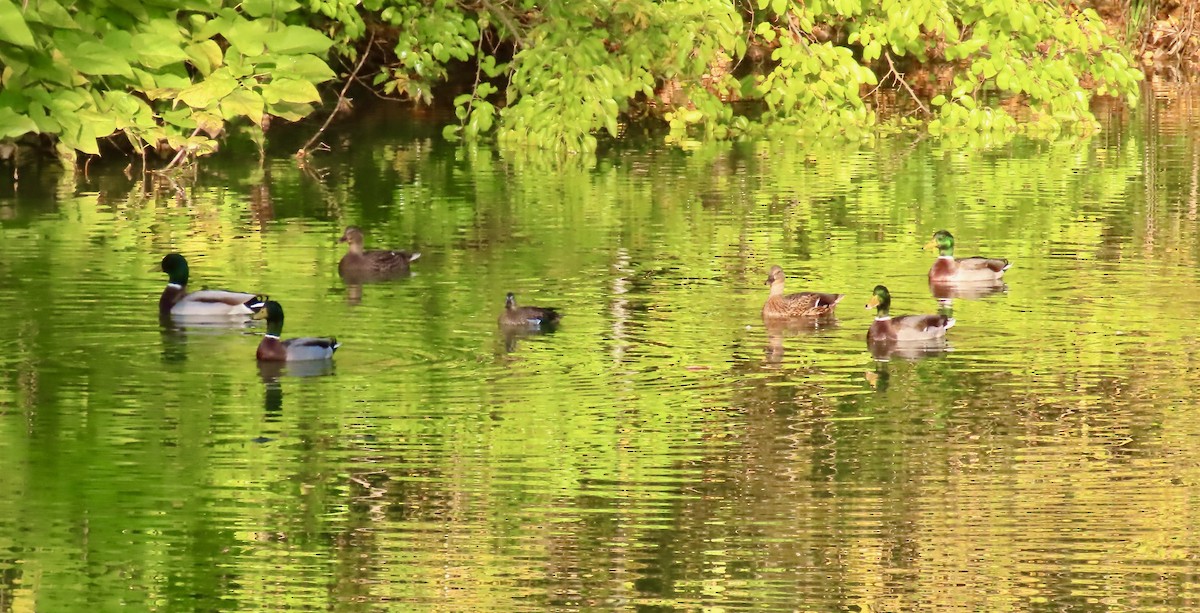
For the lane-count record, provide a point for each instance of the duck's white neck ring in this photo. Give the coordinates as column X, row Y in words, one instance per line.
column 883, row 317
column 945, row 257
column 274, row 336
column 174, row 286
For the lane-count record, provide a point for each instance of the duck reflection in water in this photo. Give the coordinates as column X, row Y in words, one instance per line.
column 778, row 329
column 175, row 331
column 966, row 291
column 271, row 374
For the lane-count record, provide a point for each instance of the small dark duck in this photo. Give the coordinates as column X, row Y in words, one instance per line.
column 527, row 316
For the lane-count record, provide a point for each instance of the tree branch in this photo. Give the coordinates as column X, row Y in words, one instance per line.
column 900, row 79
column 307, row 148
column 506, row 20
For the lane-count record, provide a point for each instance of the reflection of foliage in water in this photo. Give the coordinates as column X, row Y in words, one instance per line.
column 648, row 450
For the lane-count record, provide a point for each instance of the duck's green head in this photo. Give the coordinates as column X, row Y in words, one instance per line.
column 272, row 312
column 943, row 242
column 176, row 268
column 881, row 300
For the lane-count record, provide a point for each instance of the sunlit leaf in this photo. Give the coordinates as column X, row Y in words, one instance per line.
column 12, row 25
column 296, row 40
column 13, row 124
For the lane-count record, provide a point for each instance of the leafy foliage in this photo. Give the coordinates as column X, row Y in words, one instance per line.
column 553, row 76
column 161, row 77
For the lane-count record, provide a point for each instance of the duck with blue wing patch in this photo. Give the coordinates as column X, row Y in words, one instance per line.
column 527, row 316
column 271, row 348
column 176, row 301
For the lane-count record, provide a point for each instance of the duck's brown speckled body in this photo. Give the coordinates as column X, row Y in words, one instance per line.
column 360, row 262
column 780, row 306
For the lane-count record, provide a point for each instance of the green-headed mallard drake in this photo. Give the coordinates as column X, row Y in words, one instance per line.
column 372, row 262
column 903, row 327
column 949, row 269
column 176, row 300
column 803, row 304
column 293, row 349
column 527, row 316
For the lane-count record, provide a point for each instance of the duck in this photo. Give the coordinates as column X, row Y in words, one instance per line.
column 949, row 269
column 272, row 349
column 903, row 327
column 804, row 304
column 527, row 316
column 372, row 262
column 176, row 300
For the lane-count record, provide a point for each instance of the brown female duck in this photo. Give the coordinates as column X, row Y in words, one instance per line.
column 949, row 269
column 804, row 304
column 358, row 261
column 527, row 316
column 903, row 327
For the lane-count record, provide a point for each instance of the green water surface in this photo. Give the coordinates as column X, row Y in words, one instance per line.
column 661, row 450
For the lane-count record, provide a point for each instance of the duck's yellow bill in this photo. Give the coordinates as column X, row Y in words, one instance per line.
column 931, row 245
column 259, row 314
column 873, row 302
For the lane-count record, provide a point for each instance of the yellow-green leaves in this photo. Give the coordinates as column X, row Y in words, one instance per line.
column 80, row 71
column 12, row 25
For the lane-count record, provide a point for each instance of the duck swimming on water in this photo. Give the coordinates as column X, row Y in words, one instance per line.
column 175, row 299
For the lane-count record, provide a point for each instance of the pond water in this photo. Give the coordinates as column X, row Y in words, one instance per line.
column 661, row 450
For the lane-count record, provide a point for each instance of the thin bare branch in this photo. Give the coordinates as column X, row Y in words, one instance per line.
column 899, row 78
column 307, row 148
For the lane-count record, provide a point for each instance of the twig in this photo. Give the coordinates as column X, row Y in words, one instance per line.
column 377, row 94
column 475, row 87
column 182, row 153
column 900, row 79
column 506, row 20
column 305, row 150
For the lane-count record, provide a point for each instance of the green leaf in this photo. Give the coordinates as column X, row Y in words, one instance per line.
column 290, row 90
column 938, row 100
column 262, row 8
column 243, row 103
column 155, row 51
column 248, row 37
column 307, row 67
column 48, row 12
column 45, row 123
column 93, row 58
column 290, row 111
column 99, row 124
column 13, row 124
column 12, row 25
column 295, row 40
column 205, row 56
column 204, row 94
column 84, row 139
column 872, row 51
